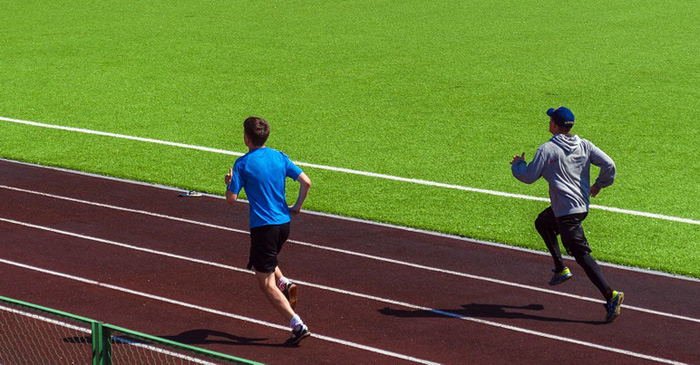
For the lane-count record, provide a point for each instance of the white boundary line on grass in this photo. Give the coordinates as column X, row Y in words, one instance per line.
column 348, row 171
column 322, row 287
column 345, row 252
column 215, row 312
column 351, row 219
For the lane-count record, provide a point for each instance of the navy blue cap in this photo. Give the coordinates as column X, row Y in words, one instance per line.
column 562, row 116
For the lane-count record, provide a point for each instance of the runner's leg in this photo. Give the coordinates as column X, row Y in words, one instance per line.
column 574, row 239
column 546, row 225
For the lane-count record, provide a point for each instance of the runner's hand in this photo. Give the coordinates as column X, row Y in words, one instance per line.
column 594, row 190
column 227, row 177
column 518, row 158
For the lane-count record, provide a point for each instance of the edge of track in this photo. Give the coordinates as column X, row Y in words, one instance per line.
column 360, row 220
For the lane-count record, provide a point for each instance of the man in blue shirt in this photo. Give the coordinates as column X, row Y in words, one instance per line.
column 262, row 172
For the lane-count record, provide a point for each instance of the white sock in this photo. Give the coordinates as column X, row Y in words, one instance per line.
column 296, row 322
column 282, row 282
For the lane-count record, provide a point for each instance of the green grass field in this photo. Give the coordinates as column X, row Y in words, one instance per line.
column 444, row 92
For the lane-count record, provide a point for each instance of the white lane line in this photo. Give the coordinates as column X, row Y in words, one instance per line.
column 46, row 319
column 322, row 287
column 212, row 311
column 492, row 280
column 123, row 209
column 122, row 340
column 482, row 242
column 495, row 324
column 331, row 249
column 163, row 351
column 347, row 171
column 358, row 220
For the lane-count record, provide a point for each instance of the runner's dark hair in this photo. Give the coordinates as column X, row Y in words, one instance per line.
column 257, row 130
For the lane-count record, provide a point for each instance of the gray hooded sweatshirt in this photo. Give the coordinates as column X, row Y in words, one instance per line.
column 565, row 162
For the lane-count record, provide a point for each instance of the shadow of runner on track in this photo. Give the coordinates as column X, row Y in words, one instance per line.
column 204, row 336
column 475, row 310
column 192, row 337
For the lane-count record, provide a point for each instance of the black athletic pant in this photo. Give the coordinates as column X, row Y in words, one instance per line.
column 575, row 243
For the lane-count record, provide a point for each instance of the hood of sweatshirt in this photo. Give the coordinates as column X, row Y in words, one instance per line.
column 566, row 143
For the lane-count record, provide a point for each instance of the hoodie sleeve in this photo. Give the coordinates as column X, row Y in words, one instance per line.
column 529, row 173
column 607, row 167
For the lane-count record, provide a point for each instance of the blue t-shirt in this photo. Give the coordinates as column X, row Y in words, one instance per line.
column 262, row 173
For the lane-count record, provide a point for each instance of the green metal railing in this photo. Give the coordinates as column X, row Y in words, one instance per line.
column 110, row 344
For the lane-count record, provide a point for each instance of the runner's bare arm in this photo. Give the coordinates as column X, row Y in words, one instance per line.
column 304, row 186
column 230, row 196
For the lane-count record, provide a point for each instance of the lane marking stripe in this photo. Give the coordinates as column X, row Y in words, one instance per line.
column 348, row 171
column 346, row 292
column 364, row 221
column 336, row 250
column 45, row 319
column 123, row 340
column 210, row 310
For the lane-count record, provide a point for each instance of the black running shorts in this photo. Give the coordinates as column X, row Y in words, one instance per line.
column 572, row 236
column 265, row 244
column 569, row 228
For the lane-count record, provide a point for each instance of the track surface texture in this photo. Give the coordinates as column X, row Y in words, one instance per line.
column 370, row 293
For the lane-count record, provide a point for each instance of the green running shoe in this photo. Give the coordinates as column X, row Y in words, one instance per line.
column 560, row 276
column 613, row 306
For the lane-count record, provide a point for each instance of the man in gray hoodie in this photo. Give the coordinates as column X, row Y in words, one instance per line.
column 565, row 161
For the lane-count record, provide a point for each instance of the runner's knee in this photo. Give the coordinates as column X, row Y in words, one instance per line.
column 579, row 254
column 266, row 281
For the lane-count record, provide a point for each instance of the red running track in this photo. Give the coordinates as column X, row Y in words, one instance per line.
column 369, row 293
